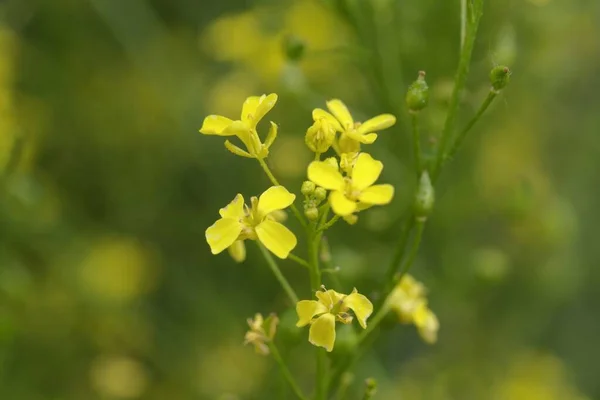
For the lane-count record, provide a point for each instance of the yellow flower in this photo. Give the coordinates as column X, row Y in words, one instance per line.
column 332, row 306
column 352, row 133
column 261, row 332
column 354, row 192
column 427, row 323
column 409, row 302
column 253, row 110
column 240, row 222
column 320, row 136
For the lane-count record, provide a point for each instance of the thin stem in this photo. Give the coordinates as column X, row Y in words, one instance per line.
column 414, row 250
column 317, row 156
column 285, row 372
column 277, row 272
column 313, row 259
column 461, row 136
column 321, row 386
column 414, row 117
column 274, row 181
column 329, row 223
column 459, row 82
column 463, row 22
column 299, row 260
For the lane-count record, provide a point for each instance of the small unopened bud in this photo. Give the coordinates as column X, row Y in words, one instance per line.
column 294, row 48
column 370, row 389
column 424, row 198
column 417, row 96
column 320, row 193
column 351, row 219
column 312, row 213
column 500, row 77
column 308, row 188
column 237, row 251
column 320, row 136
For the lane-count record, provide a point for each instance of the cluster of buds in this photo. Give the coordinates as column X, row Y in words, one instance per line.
column 313, row 197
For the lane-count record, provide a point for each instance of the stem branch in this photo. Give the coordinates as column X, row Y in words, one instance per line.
column 277, row 272
column 286, row 372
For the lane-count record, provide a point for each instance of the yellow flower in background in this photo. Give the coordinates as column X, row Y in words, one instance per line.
column 253, row 110
column 427, row 323
column 331, row 306
column 356, row 191
column 240, row 222
column 261, row 332
column 352, row 133
column 409, row 302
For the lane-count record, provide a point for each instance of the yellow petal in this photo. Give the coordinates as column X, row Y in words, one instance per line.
column 265, row 105
column 340, row 204
column 249, row 108
column 274, row 198
column 236, row 128
column 369, row 138
column 222, row 234
column 340, row 111
column 322, row 332
column 361, row 306
column 325, row 175
column 237, row 251
column 329, row 298
column 318, row 114
column 377, row 123
column 272, row 135
column 366, row 171
column 427, row 323
column 377, row 194
column 215, row 125
column 276, row 237
column 306, row 310
column 235, row 209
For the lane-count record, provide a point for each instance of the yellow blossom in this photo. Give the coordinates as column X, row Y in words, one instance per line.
column 240, row 222
column 427, row 323
column 409, row 302
column 261, row 332
column 352, row 133
column 253, row 110
column 331, row 306
column 320, row 136
column 355, row 191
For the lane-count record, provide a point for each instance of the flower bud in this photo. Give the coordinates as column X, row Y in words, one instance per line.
column 320, row 193
column 237, row 251
column 424, row 198
column 320, row 136
column 294, row 48
column 500, row 77
column 308, row 188
column 417, row 96
column 370, row 389
column 312, row 213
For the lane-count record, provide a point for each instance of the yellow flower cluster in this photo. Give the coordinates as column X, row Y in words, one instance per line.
column 350, row 179
column 261, row 332
column 409, row 301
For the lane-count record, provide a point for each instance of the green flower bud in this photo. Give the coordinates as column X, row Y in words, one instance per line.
column 425, row 197
column 320, row 193
column 417, row 96
column 294, row 48
column 371, row 388
column 308, row 188
column 500, row 77
column 312, row 213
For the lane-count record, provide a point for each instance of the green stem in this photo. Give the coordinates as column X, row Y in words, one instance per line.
column 321, row 378
column 299, row 260
column 414, row 250
column 277, row 272
column 285, row 372
column 461, row 136
column 274, row 181
column 476, row 11
column 414, row 116
column 463, row 22
column 329, row 223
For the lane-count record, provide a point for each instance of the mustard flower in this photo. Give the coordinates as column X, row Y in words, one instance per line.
column 355, row 191
column 253, row 110
column 261, row 332
column 240, row 222
column 331, row 306
column 409, row 302
column 320, row 136
column 352, row 133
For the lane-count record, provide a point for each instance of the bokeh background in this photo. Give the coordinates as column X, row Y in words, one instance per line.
column 107, row 287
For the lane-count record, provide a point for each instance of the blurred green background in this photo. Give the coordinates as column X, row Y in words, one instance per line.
column 108, row 289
